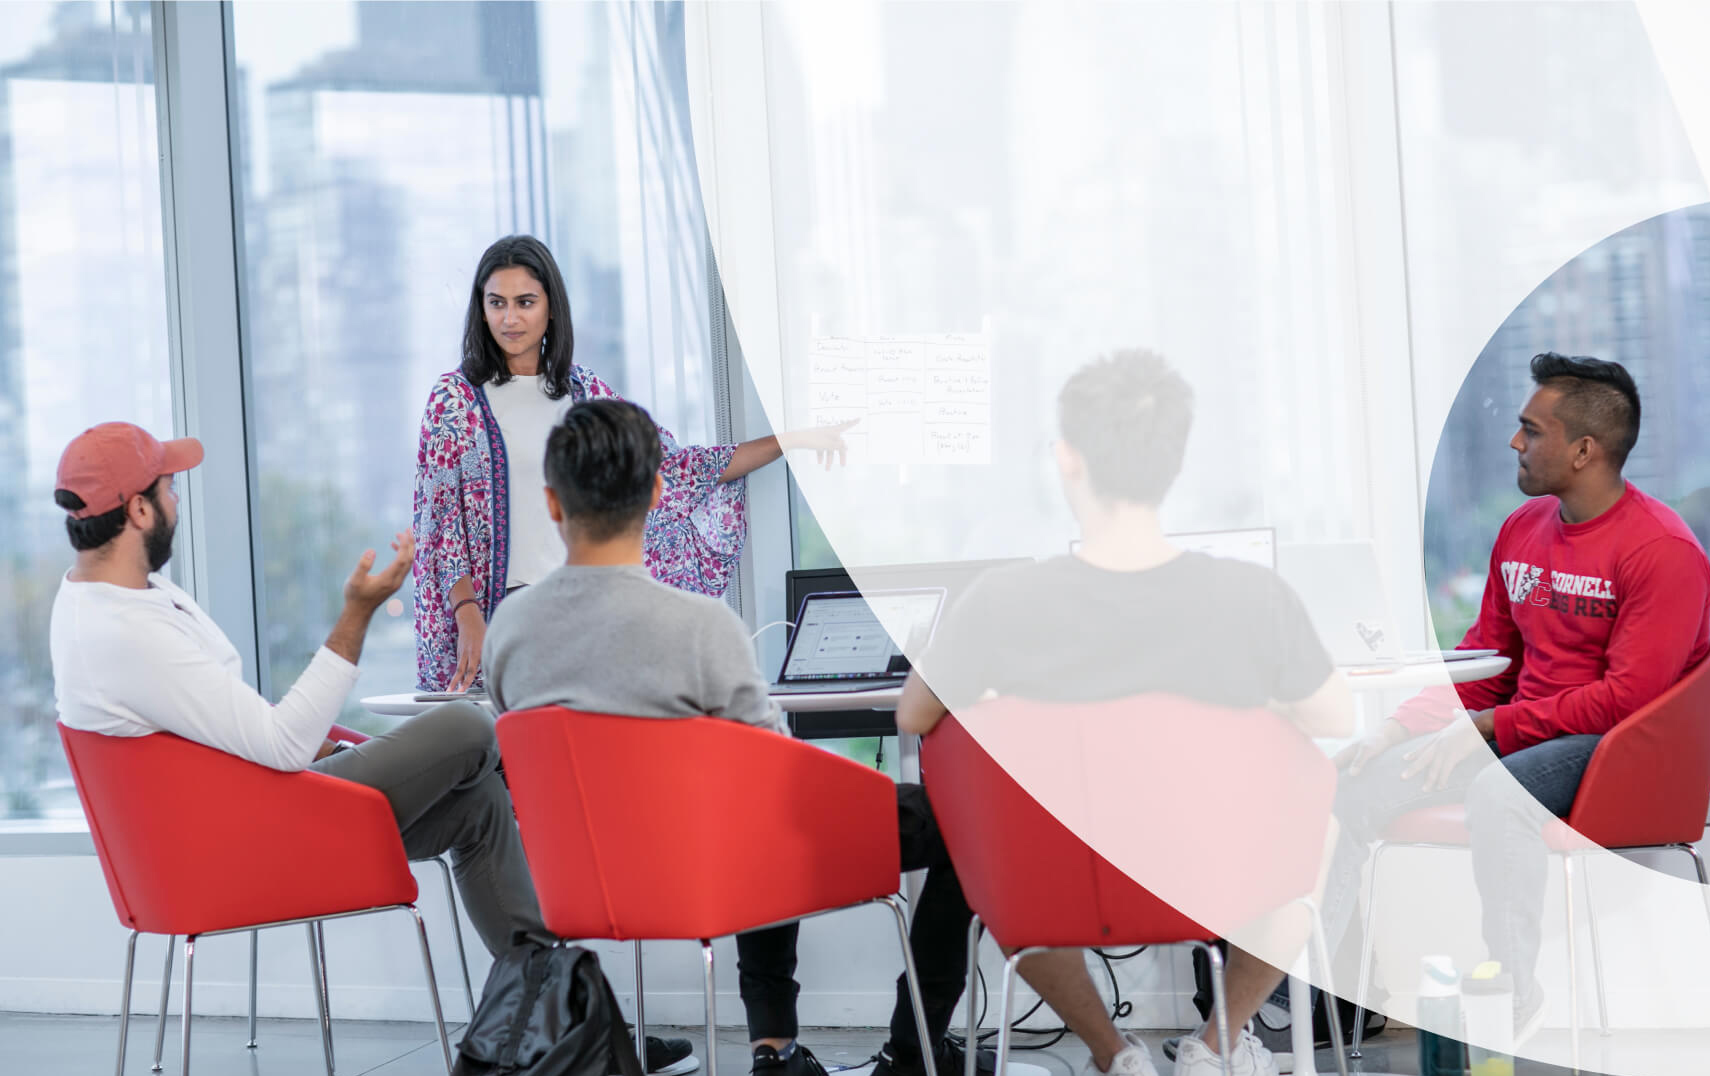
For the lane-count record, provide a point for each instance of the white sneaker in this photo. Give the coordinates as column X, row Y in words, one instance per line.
column 1134, row 1060
column 1528, row 1016
column 1247, row 1057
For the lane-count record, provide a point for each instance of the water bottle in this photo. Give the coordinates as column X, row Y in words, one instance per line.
column 1487, row 1000
column 1441, row 1052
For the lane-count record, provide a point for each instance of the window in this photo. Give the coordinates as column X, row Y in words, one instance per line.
column 384, row 147
column 1169, row 177
column 812, row 547
column 1511, row 186
column 1661, row 267
column 82, row 325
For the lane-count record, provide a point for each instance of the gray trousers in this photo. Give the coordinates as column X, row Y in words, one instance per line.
column 1509, row 858
column 439, row 771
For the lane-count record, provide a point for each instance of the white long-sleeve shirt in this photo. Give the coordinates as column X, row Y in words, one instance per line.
column 130, row 662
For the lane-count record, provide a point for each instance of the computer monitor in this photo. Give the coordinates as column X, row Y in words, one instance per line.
column 1256, row 545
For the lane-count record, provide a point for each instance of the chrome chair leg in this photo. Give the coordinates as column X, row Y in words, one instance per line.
column 1596, row 954
column 640, row 1011
column 321, row 956
column 254, row 952
column 1006, row 994
column 912, row 976
column 326, row 987
column 457, row 934
column 1703, row 878
column 1573, row 964
column 323, row 1011
column 712, row 1009
column 1219, row 1003
column 125, row 1000
column 1011, row 971
column 189, row 976
column 165, row 996
column 975, row 928
column 1321, row 955
column 1368, row 948
column 433, row 988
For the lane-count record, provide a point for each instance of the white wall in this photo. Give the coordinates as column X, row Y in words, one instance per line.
column 63, row 952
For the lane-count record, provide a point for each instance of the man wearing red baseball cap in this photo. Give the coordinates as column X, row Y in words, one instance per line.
column 133, row 655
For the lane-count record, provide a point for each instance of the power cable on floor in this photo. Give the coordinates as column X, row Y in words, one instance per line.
column 1119, row 1008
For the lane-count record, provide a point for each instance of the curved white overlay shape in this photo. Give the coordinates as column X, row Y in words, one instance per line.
column 1319, row 214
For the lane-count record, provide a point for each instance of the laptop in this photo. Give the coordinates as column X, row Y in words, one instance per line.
column 846, row 641
column 1342, row 590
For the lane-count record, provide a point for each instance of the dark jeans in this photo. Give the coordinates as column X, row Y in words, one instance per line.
column 1510, row 859
column 938, row 937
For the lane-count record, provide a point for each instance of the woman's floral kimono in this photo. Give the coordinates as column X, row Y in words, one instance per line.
column 462, row 515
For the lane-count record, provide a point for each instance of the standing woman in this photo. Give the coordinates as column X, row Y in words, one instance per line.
column 480, row 517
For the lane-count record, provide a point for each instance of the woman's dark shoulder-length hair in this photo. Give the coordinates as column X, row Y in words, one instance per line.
column 483, row 362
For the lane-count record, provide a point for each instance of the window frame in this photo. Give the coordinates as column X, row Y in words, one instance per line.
column 197, row 113
column 199, row 242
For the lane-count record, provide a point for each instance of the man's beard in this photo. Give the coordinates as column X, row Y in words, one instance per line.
column 157, row 543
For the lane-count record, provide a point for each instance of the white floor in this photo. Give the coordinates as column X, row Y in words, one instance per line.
column 85, row 1045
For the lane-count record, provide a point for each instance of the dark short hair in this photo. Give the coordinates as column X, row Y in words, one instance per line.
column 483, row 362
column 1599, row 399
column 1128, row 415
column 601, row 459
column 96, row 531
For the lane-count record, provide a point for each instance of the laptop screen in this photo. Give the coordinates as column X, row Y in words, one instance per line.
column 843, row 635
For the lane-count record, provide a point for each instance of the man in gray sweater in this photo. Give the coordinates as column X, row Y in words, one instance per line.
column 600, row 635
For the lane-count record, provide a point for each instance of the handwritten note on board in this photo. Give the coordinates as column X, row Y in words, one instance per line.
column 920, row 399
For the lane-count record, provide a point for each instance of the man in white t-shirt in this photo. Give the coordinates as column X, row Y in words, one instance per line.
column 133, row 655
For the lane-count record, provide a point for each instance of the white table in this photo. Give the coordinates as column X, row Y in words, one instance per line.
column 1403, row 677
column 404, row 704
column 400, row 705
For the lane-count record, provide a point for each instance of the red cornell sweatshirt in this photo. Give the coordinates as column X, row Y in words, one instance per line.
column 1596, row 618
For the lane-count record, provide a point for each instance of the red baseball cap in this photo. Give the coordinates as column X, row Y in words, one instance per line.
column 108, row 464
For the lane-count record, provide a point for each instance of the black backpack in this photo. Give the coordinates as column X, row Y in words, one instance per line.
column 546, row 1010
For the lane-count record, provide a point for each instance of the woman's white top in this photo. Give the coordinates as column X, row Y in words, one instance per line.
column 526, row 415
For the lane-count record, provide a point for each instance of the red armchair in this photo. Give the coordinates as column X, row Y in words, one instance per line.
column 1647, row 788
column 197, row 842
column 1036, row 885
column 597, row 796
column 338, row 732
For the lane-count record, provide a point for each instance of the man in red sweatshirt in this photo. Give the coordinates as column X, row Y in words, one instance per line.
column 1597, row 596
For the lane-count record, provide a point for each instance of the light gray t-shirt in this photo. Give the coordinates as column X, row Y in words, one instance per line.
column 612, row 640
